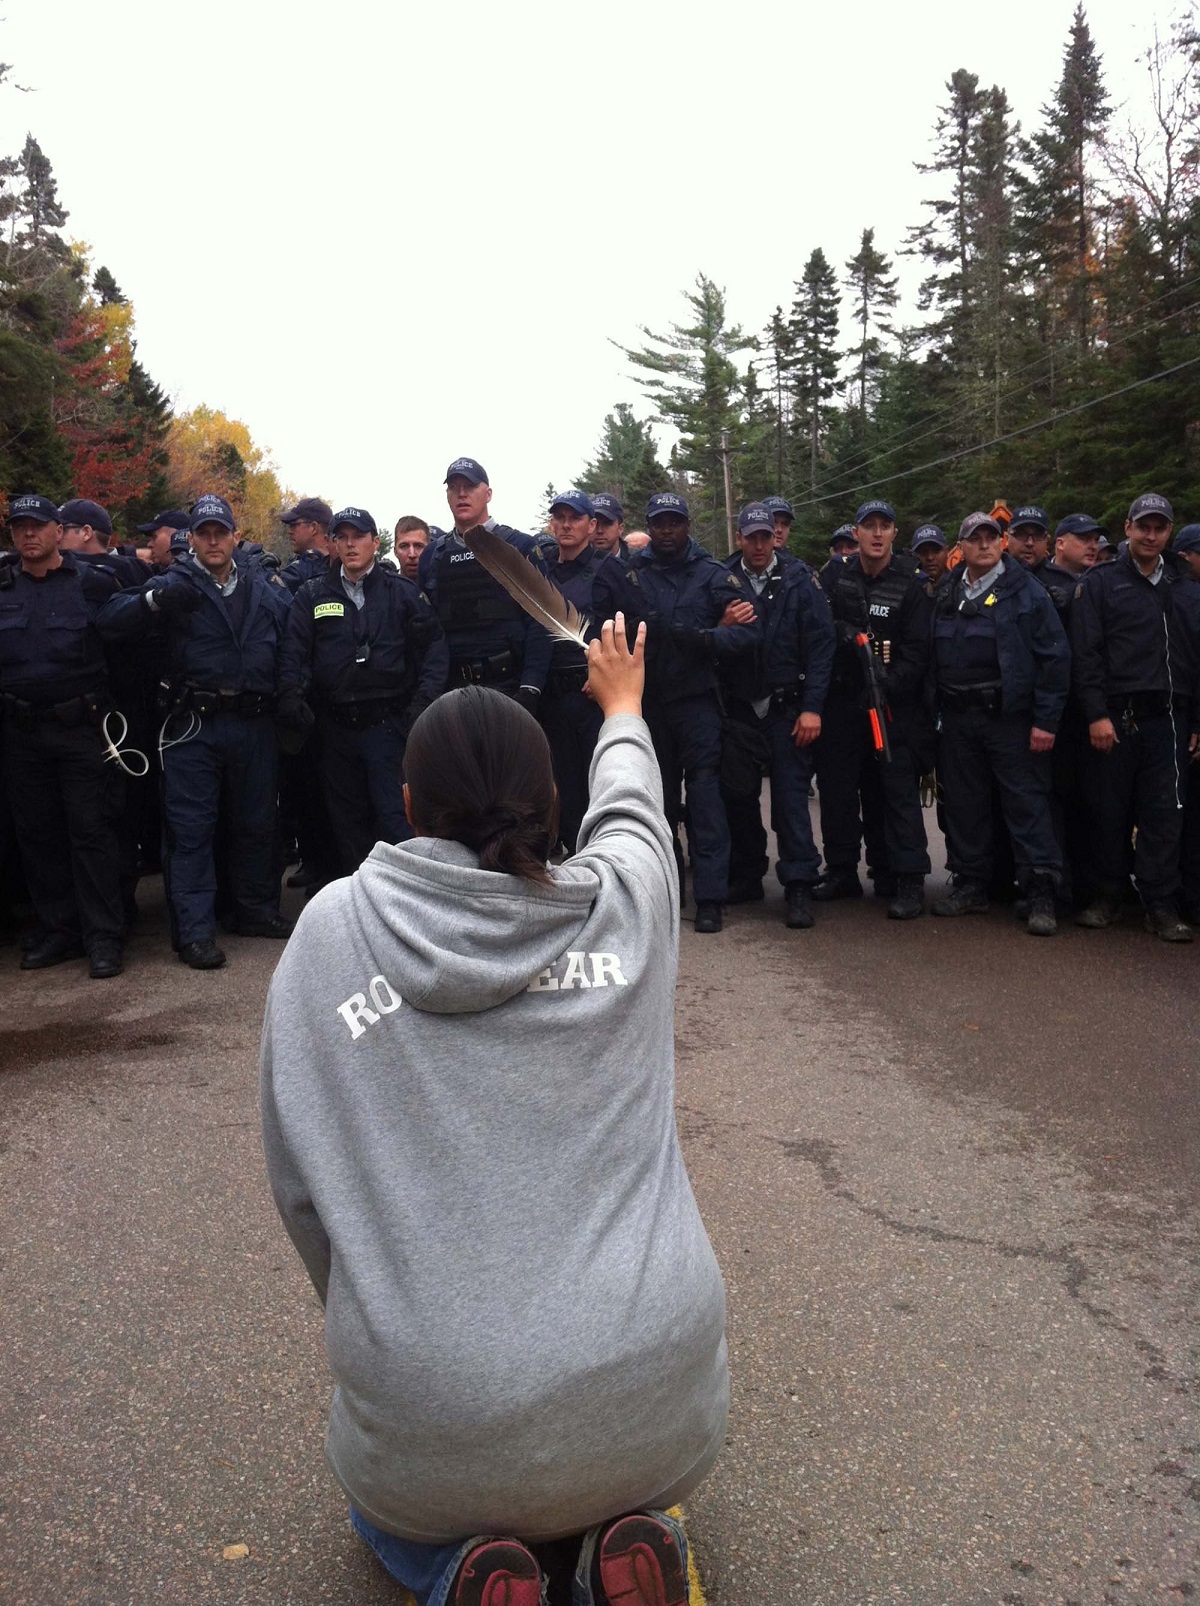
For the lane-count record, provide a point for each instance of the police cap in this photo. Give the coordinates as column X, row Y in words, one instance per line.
column 1030, row 515
column 309, row 508
column 885, row 509
column 174, row 517
column 577, row 501
column 977, row 521
column 1081, row 524
column 928, row 535
column 667, row 502
column 357, row 517
column 39, row 508
column 468, row 469
column 1187, row 540
column 607, row 507
column 844, row 532
column 756, row 516
column 778, row 504
column 212, row 510
column 80, row 511
column 1151, row 503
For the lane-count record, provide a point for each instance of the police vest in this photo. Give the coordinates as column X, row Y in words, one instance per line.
column 875, row 606
column 468, row 599
column 964, row 639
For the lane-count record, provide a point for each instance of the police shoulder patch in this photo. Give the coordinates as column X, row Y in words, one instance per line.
column 329, row 610
column 734, row 581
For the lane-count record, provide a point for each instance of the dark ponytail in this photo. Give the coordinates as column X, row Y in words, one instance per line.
column 479, row 772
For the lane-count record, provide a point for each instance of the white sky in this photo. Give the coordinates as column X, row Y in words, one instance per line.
column 384, row 234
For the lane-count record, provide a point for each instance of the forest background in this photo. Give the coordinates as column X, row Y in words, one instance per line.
column 1050, row 351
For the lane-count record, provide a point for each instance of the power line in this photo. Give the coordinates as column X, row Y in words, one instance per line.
column 1012, row 435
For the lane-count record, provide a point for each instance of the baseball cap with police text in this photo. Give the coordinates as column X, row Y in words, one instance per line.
column 756, row 516
column 212, row 510
column 667, row 502
column 885, row 509
column 577, row 501
column 978, row 521
column 1151, row 503
column 607, row 507
column 928, row 535
column 468, row 469
column 39, row 508
column 778, row 504
column 357, row 517
column 1030, row 515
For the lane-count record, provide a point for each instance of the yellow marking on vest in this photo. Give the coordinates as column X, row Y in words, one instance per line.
column 330, row 610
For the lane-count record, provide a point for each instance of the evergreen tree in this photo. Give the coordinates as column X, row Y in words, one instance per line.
column 813, row 326
column 779, row 345
column 871, row 282
column 944, row 238
column 107, row 289
column 626, row 463
column 39, row 204
column 695, row 387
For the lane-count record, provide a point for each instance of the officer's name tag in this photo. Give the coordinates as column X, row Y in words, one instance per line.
column 329, row 610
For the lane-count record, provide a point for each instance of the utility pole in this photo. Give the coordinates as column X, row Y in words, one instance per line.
column 728, row 491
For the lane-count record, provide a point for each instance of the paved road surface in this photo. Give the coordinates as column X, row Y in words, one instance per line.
column 951, row 1174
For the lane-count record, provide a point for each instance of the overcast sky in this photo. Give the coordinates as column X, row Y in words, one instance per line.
column 385, row 234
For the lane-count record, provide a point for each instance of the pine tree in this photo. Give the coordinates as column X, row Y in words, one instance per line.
column 870, row 280
column 626, row 464
column 695, row 387
column 39, row 204
column 107, row 289
column 944, row 238
column 813, row 326
column 778, row 344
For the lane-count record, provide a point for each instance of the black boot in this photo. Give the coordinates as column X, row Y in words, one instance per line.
column 799, row 909
column 909, row 902
column 837, row 884
column 1041, row 920
column 1163, row 921
column 708, row 917
column 964, row 898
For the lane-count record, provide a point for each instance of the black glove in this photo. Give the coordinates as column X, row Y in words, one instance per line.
column 691, row 643
column 175, row 601
column 294, row 719
column 528, row 697
column 848, row 633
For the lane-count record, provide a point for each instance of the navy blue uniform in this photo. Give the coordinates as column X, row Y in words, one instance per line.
column 1068, row 761
column 368, row 672
column 222, row 669
column 305, row 566
column 65, row 799
column 786, row 676
column 594, row 582
column 1001, row 665
column 895, row 608
column 303, row 815
column 682, row 602
column 492, row 641
column 1186, row 601
column 1135, row 662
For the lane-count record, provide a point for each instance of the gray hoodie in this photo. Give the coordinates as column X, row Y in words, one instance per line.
column 468, row 1115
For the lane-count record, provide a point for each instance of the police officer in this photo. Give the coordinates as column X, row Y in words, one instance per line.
column 932, row 554
column 409, row 540
column 610, row 527
column 779, row 691
column 308, row 529
column 878, row 592
column 492, row 641
column 843, row 541
column 1135, row 675
column 780, row 510
column 1185, row 552
column 1029, row 537
column 87, row 531
column 1000, row 674
column 594, row 582
column 158, row 532
column 224, row 624
column 364, row 647
column 683, row 594
column 54, row 695
column 1076, row 543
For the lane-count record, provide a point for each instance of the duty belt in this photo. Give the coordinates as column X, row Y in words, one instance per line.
column 572, row 677
column 483, row 671
column 209, row 700
column 988, row 697
column 25, row 715
column 367, row 711
column 1139, row 705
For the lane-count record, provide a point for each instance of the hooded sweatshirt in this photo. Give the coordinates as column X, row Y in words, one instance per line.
column 468, row 1116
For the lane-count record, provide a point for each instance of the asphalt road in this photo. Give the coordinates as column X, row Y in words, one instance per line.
column 951, row 1174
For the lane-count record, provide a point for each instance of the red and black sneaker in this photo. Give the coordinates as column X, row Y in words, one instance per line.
column 641, row 1563
column 499, row 1572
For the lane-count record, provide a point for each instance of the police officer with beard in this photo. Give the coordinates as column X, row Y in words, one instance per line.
column 364, row 647
column 877, row 592
column 492, row 641
column 779, row 692
column 594, row 582
column 1000, row 673
column 223, row 624
column 54, row 695
column 682, row 593
column 1136, row 675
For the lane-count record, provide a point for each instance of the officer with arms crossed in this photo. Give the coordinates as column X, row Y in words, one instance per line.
column 778, row 690
column 1135, row 675
column 877, row 592
column 682, row 593
column 1001, row 670
column 64, row 797
column 363, row 644
column 594, row 582
column 492, row 641
column 224, row 625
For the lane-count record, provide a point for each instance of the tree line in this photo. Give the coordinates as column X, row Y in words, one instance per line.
column 79, row 414
column 1052, row 355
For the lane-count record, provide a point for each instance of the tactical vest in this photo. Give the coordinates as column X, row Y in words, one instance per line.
column 468, row 599
column 874, row 606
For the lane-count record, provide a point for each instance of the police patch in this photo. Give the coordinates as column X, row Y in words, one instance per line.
column 734, row 581
column 329, row 610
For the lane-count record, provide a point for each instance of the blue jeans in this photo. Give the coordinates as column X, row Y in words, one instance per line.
column 429, row 1571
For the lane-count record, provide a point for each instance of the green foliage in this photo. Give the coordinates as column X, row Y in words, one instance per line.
column 626, row 463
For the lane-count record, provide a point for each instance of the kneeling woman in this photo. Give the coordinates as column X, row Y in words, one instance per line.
column 468, row 1112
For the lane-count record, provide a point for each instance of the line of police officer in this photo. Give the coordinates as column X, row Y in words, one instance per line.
column 880, row 669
